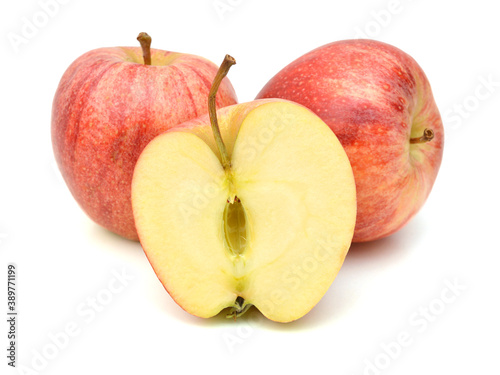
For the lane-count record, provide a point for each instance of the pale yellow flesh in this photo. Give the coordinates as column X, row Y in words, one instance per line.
column 282, row 246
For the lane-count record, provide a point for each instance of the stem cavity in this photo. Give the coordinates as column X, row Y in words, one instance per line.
column 212, row 110
column 145, row 41
column 426, row 137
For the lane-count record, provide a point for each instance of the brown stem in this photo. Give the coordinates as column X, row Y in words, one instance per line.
column 426, row 137
column 212, row 110
column 145, row 41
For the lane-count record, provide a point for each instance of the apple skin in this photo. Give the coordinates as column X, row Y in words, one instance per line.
column 108, row 106
column 374, row 97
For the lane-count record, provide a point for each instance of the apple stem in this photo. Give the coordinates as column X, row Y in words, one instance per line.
column 145, row 41
column 426, row 137
column 212, row 109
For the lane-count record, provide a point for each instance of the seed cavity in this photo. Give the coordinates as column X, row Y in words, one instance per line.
column 235, row 227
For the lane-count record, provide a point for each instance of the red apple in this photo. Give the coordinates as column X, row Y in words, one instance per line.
column 109, row 104
column 379, row 103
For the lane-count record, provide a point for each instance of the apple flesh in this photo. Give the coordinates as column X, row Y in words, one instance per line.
column 378, row 102
column 108, row 106
column 272, row 230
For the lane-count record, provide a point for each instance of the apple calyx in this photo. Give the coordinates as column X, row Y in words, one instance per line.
column 426, row 137
column 145, row 41
column 240, row 307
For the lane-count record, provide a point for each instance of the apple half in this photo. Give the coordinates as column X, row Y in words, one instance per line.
column 267, row 221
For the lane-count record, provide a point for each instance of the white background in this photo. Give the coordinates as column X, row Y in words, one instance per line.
column 64, row 260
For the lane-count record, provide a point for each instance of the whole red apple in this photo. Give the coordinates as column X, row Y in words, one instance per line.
column 109, row 104
column 379, row 103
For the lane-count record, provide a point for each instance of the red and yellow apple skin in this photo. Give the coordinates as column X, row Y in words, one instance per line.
column 375, row 98
column 108, row 106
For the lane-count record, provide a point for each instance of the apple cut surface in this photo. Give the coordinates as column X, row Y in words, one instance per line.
column 271, row 231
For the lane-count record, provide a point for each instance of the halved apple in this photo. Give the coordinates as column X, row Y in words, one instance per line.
column 263, row 215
